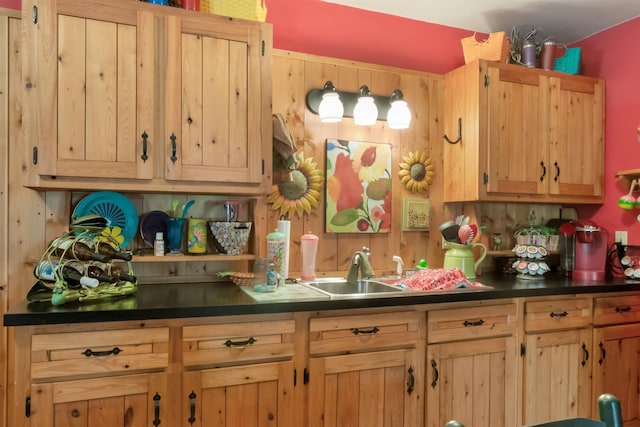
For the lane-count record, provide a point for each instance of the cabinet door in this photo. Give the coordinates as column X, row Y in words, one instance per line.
column 473, row 382
column 367, row 389
column 616, row 368
column 515, row 134
column 576, row 136
column 247, row 396
column 126, row 401
column 214, row 101
column 89, row 72
column 557, row 376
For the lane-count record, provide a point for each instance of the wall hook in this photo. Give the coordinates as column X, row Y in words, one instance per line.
column 459, row 133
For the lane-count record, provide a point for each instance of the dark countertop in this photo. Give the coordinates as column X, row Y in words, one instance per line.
column 180, row 300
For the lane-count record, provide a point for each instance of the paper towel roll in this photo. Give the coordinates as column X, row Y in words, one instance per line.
column 284, row 227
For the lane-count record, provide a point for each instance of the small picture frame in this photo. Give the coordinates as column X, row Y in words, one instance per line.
column 416, row 214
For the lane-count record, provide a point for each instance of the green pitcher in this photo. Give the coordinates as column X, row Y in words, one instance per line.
column 461, row 256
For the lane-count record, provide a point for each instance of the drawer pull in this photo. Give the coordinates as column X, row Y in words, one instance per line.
column 563, row 314
column 156, row 410
column 230, row 343
column 586, row 354
column 436, row 375
column 357, row 331
column 88, row 352
column 412, row 381
column 623, row 309
column 192, row 408
column 468, row 323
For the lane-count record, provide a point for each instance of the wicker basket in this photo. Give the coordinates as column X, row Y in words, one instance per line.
column 569, row 63
column 243, row 279
column 254, row 10
column 495, row 48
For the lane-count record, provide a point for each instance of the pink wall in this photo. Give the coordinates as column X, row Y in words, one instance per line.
column 319, row 28
column 612, row 56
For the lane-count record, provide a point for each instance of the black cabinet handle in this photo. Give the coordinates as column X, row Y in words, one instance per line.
column 544, row 171
column 586, row 354
column 145, row 143
column 412, row 381
column 459, row 133
column 436, row 375
column 468, row 323
column 371, row 331
column 230, row 343
column 156, row 410
column 554, row 315
column 603, row 353
column 623, row 309
column 88, row 352
column 305, row 375
column 173, row 148
column 192, row 408
column 555, row 178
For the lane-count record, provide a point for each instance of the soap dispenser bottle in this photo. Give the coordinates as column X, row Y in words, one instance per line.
column 308, row 248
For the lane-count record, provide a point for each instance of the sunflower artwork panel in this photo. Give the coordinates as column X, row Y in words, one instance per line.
column 358, row 187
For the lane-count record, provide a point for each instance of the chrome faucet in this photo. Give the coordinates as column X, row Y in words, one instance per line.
column 360, row 261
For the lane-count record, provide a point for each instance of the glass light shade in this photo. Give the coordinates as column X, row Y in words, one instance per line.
column 365, row 113
column 330, row 108
column 399, row 115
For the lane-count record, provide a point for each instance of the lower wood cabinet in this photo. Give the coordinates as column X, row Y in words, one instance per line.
column 367, row 389
column 557, row 360
column 253, row 395
column 124, row 401
column 502, row 363
column 471, row 366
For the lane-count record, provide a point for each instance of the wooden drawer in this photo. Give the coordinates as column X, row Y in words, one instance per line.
column 556, row 314
column 98, row 353
column 616, row 310
column 471, row 323
column 352, row 334
column 235, row 343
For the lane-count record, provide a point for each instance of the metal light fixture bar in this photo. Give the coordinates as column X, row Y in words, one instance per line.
column 349, row 100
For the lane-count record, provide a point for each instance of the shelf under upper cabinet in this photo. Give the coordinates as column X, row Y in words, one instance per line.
column 192, row 258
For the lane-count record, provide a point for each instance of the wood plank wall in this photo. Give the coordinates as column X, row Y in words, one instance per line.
column 294, row 75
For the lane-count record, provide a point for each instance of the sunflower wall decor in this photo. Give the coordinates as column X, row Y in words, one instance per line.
column 299, row 195
column 358, row 190
column 416, row 172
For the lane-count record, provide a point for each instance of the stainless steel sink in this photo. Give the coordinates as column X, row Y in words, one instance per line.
column 341, row 288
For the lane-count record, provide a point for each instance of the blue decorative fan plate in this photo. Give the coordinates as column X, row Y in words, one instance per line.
column 117, row 209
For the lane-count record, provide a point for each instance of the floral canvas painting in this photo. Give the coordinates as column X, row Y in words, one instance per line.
column 358, row 190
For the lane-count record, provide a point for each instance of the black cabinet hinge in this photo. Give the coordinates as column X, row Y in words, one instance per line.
column 34, row 155
column 263, row 47
column 262, row 166
column 27, row 406
column 523, row 349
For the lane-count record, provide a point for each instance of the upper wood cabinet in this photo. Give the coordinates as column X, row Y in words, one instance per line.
column 523, row 135
column 144, row 97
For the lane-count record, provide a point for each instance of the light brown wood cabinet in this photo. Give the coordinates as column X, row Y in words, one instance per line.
column 557, row 360
column 487, row 363
column 471, row 366
column 523, row 135
column 366, row 370
column 616, row 358
column 142, row 97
